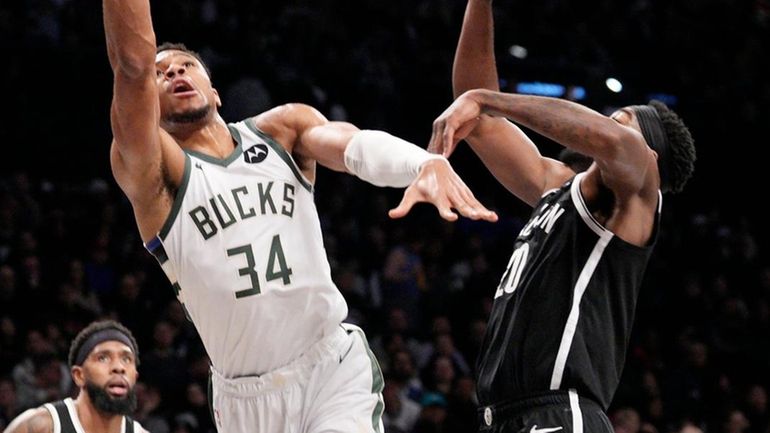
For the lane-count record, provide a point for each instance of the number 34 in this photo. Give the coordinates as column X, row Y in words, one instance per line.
column 276, row 256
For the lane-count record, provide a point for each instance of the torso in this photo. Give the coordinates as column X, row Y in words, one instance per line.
column 563, row 311
column 243, row 247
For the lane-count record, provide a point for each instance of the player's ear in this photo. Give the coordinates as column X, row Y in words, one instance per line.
column 216, row 97
column 78, row 376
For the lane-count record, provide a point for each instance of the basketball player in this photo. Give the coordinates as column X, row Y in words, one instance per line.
column 228, row 212
column 562, row 315
column 103, row 359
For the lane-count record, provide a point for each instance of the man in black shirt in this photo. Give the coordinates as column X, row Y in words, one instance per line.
column 562, row 316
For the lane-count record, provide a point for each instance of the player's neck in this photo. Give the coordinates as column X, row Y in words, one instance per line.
column 212, row 139
column 94, row 421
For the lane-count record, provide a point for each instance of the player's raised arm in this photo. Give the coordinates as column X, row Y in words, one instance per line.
column 619, row 149
column 474, row 64
column 374, row 156
column 506, row 151
column 135, row 111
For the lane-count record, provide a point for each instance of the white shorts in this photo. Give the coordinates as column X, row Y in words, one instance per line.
column 335, row 386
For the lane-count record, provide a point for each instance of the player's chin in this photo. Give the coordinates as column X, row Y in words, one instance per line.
column 189, row 114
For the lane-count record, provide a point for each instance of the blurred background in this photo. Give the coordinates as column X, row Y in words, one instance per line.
column 699, row 359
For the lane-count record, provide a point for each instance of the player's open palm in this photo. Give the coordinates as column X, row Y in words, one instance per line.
column 438, row 184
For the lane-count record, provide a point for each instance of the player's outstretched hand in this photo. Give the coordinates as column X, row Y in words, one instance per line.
column 454, row 124
column 439, row 185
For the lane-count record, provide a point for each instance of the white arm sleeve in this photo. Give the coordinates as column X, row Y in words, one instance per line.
column 384, row 160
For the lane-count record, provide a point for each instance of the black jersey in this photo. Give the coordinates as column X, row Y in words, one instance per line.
column 563, row 311
column 65, row 418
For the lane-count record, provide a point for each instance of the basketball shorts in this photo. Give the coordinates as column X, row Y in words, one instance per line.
column 552, row 412
column 335, row 386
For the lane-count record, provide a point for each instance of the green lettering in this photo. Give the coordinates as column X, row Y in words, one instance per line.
column 265, row 197
column 248, row 270
column 202, row 220
column 288, row 198
column 231, row 218
column 276, row 252
column 239, row 205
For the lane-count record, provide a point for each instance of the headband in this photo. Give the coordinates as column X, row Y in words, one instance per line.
column 655, row 136
column 110, row 334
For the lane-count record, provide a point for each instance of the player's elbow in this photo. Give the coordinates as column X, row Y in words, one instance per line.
column 617, row 141
column 132, row 67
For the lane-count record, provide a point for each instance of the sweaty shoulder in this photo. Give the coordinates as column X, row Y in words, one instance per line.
column 32, row 421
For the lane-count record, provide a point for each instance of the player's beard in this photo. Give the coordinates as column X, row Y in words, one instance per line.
column 191, row 116
column 106, row 403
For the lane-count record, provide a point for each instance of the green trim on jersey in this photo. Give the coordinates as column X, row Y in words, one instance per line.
column 224, row 162
column 378, row 382
column 281, row 151
column 177, row 199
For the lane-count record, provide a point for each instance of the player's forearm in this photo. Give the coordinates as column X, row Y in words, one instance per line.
column 130, row 37
column 383, row 159
column 567, row 123
column 474, row 64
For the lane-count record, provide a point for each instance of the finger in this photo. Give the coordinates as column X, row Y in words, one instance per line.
column 466, row 128
column 444, row 207
column 471, row 200
column 448, row 152
column 447, row 213
column 457, row 201
column 435, row 145
column 404, row 207
column 474, row 209
column 448, row 139
column 465, row 209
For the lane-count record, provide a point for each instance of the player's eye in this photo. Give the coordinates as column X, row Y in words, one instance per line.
column 188, row 64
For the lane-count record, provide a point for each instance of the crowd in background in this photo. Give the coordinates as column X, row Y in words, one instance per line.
column 699, row 359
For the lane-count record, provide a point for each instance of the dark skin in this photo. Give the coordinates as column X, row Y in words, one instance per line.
column 152, row 92
column 110, row 365
column 620, row 187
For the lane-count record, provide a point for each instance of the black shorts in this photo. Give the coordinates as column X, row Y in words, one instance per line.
column 552, row 412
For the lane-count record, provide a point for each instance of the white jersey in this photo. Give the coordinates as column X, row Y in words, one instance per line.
column 243, row 249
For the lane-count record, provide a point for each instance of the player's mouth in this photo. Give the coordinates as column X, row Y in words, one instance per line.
column 181, row 88
column 117, row 387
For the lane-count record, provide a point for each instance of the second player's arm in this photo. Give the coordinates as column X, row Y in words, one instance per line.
column 31, row 421
column 374, row 156
column 619, row 150
column 503, row 148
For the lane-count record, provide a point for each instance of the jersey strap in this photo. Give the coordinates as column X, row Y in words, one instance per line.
column 67, row 426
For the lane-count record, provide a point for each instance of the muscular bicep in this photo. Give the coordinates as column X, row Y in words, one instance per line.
column 326, row 143
column 305, row 133
column 514, row 159
column 135, row 119
column 32, row 421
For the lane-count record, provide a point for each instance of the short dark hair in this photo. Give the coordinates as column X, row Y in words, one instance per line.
column 681, row 145
column 92, row 329
column 168, row 46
